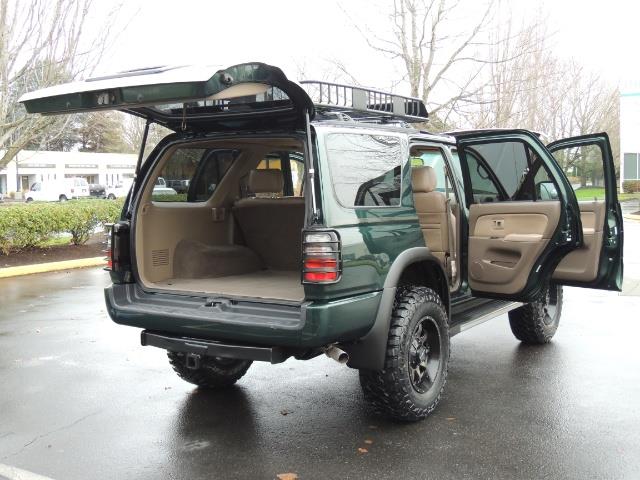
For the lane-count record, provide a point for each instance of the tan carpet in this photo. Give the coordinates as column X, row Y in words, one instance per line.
column 268, row 284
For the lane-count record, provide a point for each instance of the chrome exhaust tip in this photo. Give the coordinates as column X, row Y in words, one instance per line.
column 337, row 354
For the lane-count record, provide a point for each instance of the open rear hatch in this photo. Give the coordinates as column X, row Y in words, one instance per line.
column 186, row 98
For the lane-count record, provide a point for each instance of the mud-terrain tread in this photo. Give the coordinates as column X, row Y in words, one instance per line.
column 209, row 375
column 527, row 322
column 383, row 390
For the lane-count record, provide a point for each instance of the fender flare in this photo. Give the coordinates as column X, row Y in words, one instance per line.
column 369, row 352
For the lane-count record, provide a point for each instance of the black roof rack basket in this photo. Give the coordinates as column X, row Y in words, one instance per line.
column 364, row 103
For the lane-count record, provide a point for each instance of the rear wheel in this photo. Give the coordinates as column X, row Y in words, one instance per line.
column 62, row 198
column 537, row 322
column 417, row 358
column 212, row 372
column 111, row 196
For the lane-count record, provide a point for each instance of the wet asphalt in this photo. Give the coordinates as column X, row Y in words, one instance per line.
column 81, row 399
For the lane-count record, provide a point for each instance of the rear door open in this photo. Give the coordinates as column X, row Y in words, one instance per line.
column 598, row 263
column 252, row 96
column 523, row 213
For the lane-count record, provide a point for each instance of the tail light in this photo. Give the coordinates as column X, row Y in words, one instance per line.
column 321, row 258
column 108, row 250
column 117, row 252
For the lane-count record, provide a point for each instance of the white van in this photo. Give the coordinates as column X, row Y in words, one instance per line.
column 58, row 190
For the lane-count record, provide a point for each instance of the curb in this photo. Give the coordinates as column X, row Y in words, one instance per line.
column 51, row 266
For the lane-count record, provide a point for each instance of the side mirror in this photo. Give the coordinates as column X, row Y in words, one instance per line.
column 546, row 191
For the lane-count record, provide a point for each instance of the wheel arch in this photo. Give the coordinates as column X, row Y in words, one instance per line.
column 414, row 266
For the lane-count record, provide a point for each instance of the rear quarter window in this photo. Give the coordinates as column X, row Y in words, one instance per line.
column 365, row 169
column 192, row 174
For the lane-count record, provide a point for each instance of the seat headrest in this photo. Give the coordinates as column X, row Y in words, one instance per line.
column 265, row 181
column 423, row 179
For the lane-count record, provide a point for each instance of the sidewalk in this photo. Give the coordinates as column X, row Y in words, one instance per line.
column 51, row 266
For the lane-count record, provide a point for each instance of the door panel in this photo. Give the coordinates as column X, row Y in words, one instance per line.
column 582, row 264
column 598, row 263
column 505, row 240
column 516, row 235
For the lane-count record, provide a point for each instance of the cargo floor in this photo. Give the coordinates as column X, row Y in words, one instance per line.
column 267, row 284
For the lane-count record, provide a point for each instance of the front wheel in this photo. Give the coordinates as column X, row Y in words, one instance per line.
column 212, row 372
column 111, row 196
column 417, row 358
column 536, row 323
column 62, row 198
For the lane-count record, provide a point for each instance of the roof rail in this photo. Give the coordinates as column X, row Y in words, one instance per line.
column 364, row 103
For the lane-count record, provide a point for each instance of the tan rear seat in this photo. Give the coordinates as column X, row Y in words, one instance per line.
column 431, row 207
column 271, row 226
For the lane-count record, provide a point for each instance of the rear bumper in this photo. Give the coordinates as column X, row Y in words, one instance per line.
column 308, row 325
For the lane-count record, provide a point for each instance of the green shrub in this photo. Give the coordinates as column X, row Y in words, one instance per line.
column 31, row 225
column 83, row 217
column 631, row 186
column 162, row 197
column 24, row 226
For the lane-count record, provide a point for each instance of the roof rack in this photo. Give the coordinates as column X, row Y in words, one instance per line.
column 365, row 104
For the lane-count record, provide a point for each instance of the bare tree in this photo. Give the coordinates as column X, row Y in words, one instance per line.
column 133, row 131
column 582, row 102
column 438, row 51
column 521, row 70
column 42, row 43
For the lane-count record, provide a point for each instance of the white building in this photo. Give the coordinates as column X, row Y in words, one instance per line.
column 630, row 132
column 29, row 167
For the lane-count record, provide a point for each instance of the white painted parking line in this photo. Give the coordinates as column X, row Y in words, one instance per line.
column 12, row 473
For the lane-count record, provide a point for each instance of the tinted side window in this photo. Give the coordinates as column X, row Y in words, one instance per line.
column 508, row 160
column 365, row 169
column 484, row 188
column 191, row 174
column 211, row 170
column 508, row 170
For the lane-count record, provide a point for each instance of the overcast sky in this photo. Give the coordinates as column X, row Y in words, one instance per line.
column 306, row 34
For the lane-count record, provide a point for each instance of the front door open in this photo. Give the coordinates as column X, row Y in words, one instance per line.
column 598, row 263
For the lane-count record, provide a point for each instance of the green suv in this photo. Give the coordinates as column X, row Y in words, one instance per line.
column 318, row 220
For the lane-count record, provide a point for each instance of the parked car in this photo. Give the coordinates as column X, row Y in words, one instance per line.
column 96, row 190
column 180, row 186
column 58, row 190
column 118, row 191
column 158, row 190
column 160, row 187
column 398, row 239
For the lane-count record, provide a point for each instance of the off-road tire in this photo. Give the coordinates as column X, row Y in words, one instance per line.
column 214, row 373
column 536, row 323
column 391, row 392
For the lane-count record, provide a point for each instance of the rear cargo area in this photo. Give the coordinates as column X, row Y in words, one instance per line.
column 244, row 241
column 267, row 284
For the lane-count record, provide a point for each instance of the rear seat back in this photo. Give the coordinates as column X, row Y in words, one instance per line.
column 271, row 226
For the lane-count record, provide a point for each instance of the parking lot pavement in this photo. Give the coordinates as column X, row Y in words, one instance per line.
column 80, row 398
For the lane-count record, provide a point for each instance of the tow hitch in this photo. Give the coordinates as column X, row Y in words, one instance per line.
column 195, row 349
column 192, row 361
